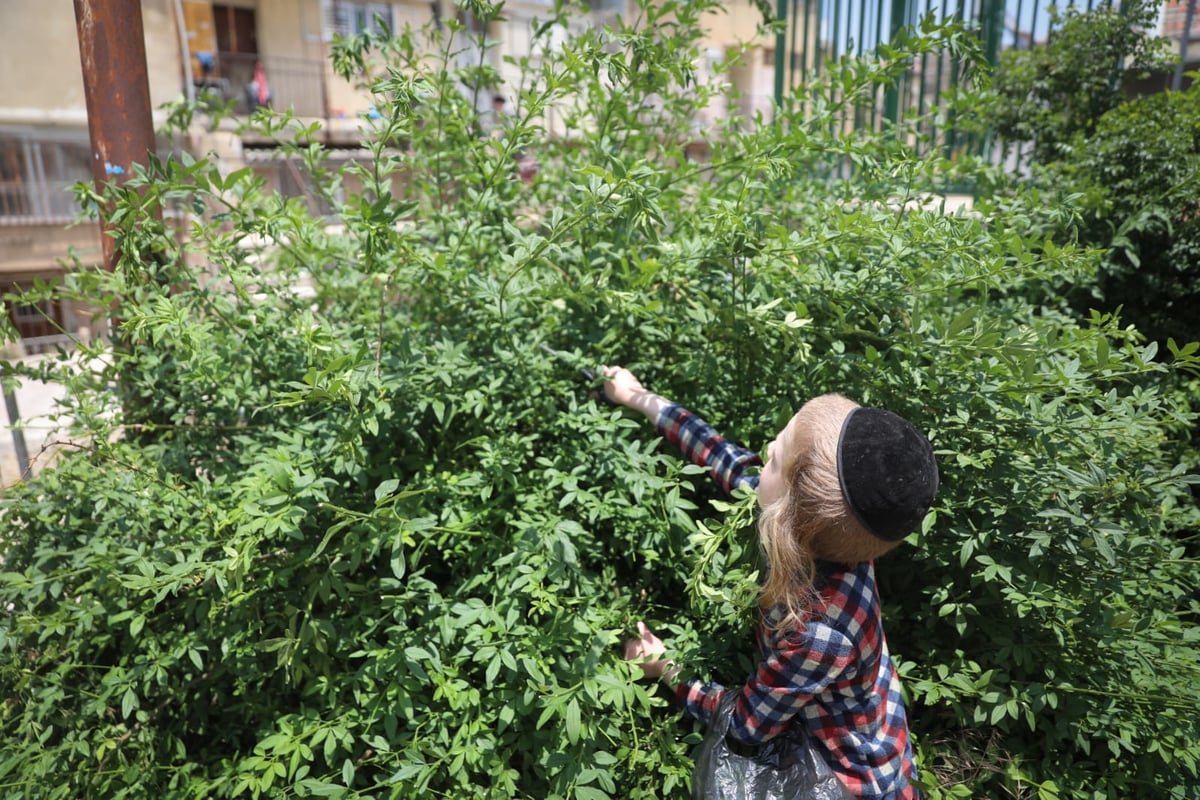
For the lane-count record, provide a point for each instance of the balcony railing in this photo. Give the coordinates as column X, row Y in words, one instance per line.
column 295, row 83
column 36, row 178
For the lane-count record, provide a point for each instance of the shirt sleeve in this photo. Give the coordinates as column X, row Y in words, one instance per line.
column 727, row 462
column 796, row 670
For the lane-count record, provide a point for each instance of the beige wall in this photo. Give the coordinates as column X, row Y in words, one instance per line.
column 42, row 100
column 348, row 99
column 39, row 59
column 42, row 91
column 164, row 64
column 290, row 28
column 33, row 251
column 295, row 29
column 754, row 78
column 737, row 22
column 40, row 77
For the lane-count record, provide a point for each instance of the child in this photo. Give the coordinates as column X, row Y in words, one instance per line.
column 842, row 485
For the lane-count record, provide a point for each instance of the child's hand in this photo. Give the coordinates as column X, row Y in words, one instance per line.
column 643, row 651
column 621, row 386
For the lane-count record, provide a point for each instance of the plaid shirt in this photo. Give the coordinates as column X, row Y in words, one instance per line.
column 727, row 462
column 835, row 676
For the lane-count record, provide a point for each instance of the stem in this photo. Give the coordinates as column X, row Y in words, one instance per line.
column 441, row 115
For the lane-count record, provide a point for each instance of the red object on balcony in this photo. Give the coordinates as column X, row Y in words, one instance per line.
column 258, row 86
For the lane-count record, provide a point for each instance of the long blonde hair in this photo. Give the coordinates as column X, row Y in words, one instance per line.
column 811, row 520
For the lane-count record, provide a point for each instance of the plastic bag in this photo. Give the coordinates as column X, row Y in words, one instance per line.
column 785, row 768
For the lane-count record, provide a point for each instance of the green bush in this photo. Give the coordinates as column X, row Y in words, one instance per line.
column 379, row 543
column 1134, row 163
column 1140, row 171
column 1048, row 94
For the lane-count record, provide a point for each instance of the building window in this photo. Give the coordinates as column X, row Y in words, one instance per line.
column 25, row 314
column 351, row 18
column 605, row 12
column 40, row 324
column 36, row 178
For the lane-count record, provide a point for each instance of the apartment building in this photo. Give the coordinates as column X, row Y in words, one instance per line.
column 247, row 51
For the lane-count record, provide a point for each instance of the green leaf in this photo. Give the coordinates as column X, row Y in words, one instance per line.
column 572, row 721
column 386, row 488
column 129, row 703
column 590, row 793
column 319, row 788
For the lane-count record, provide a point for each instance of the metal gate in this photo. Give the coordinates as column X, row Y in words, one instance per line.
column 820, row 33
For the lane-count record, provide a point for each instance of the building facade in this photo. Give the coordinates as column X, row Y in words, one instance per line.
column 248, row 52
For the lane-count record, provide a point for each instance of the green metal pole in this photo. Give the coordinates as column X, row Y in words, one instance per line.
column 780, row 45
column 804, row 49
column 875, row 94
column 891, row 100
column 993, row 16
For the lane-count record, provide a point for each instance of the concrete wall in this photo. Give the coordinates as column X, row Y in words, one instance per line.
column 32, row 251
column 42, row 85
column 39, row 61
column 290, row 28
column 41, row 82
column 164, row 62
column 35, row 403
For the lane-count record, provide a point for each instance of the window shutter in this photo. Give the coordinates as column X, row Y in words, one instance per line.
column 350, row 18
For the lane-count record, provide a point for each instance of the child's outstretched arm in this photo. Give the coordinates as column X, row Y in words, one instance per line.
column 727, row 462
column 623, row 388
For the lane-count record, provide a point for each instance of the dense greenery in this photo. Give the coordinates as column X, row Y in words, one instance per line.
column 377, row 542
column 1134, row 161
column 1049, row 93
column 1140, row 174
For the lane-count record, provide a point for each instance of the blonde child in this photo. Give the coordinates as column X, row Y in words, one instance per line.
column 841, row 486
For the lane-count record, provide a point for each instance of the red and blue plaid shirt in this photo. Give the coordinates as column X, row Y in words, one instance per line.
column 835, row 677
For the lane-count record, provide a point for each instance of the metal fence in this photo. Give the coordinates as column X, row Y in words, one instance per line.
column 292, row 83
column 820, row 33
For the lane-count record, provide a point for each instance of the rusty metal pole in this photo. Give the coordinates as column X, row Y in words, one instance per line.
column 112, row 53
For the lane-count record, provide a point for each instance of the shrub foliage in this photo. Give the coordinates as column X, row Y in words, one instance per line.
column 1052, row 92
column 375, row 541
column 1134, row 160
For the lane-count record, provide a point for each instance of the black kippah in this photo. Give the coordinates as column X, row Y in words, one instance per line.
column 887, row 472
